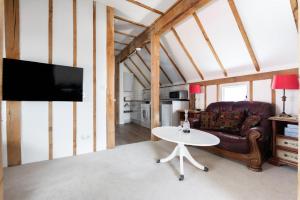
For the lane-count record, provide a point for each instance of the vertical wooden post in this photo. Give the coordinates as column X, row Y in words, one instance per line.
column 155, row 70
column 1, row 68
column 13, row 109
column 110, row 91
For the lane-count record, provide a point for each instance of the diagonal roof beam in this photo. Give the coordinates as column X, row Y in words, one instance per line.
column 244, row 34
column 146, row 7
column 172, row 61
column 140, row 57
column 178, row 12
column 122, row 43
column 135, row 76
column 294, row 6
column 141, row 72
column 126, row 34
column 130, row 22
column 209, row 44
column 188, row 54
column 162, row 70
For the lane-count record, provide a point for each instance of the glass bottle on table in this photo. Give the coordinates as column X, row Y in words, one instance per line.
column 186, row 127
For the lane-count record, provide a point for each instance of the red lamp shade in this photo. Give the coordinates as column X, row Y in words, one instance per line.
column 287, row 81
column 195, row 89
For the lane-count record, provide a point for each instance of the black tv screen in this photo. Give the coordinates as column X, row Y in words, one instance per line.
column 33, row 81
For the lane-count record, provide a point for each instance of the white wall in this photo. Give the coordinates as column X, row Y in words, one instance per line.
column 34, row 47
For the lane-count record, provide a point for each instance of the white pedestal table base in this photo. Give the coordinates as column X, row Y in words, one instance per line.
column 181, row 151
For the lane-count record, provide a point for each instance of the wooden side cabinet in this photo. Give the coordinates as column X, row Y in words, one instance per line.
column 284, row 148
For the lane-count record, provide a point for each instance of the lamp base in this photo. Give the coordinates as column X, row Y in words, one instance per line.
column 283, row 114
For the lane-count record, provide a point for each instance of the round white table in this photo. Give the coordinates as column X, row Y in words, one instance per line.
column 194, row 138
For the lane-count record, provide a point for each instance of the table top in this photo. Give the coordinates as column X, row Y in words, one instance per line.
column 194, row 138
column 284, row 119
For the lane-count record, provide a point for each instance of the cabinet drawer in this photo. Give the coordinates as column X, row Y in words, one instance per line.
column 289, row 156
column 284, row 142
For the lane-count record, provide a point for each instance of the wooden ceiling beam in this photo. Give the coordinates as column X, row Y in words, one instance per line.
column 130, row 21
column 122, row 43
column 294, row 6
column 146, row 7
column 162, row 70
column 140, row 71
column 173, row 62
column 188, row 54
column 178, row 12
column 135, row 76
column 126, row 34
column 140, row 57
column 244, row 34
column 210, row 44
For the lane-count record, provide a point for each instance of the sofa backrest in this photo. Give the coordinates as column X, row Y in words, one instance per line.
column 265, row 110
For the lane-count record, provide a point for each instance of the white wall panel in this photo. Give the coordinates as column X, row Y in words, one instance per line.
column 221, row 27
column 180, row 57
column 34, row 126
column 199, row 49
column 262, row 90
column 4, row 138
column 62, row 55
column 200, row 98
column 272, row 32
column 101, row 76
column 85, row 60
column 34, row 47
column 211, row 94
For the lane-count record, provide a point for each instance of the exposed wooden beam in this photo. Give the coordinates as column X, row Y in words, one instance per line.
column 256, row 76
column 188, row 54
column 140, row 71
column 181, row 10
column 146, row 7
column 162, row 70
column 155, row 90
column 110, row 92
column 122, row 43
column 13, row 108
column 126, row 34
column 135, row 76
column 130, row 22
column 294, row 6
column 209, row 43
column 244, row 34
column 173, row 62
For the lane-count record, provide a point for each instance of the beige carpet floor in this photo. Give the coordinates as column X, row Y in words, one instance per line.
column 129, row 172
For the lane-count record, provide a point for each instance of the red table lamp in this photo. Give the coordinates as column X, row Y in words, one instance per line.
column 194, row 89
column 285, row 82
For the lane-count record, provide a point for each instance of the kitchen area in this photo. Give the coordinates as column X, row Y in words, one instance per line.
column 135, row 108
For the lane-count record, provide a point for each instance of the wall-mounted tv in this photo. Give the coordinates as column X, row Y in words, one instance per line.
column 33, row 81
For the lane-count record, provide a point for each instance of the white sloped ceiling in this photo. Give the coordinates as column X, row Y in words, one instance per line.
column 269, row 25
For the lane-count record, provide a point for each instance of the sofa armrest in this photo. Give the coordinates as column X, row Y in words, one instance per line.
column 257, row 131
column 194, row 122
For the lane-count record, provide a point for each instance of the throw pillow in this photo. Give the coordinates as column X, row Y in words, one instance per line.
column 250, row 122
column 231, row 121
column 208, row 120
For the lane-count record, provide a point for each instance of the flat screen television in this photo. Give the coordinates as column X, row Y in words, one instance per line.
column 33, row 81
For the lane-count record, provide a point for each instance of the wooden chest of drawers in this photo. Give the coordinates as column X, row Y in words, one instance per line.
column 284, row 148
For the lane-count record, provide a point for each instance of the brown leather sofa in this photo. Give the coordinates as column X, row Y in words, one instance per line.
column 254, row 147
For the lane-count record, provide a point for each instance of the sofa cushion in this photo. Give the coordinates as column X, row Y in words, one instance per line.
column 231, row 121
column 250, row 121
column 233, row 143
column 208, row 120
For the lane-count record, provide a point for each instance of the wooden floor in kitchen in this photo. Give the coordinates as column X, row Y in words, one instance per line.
column 131, row 133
